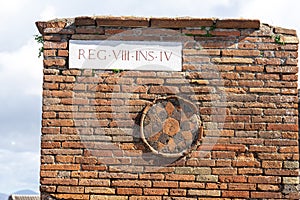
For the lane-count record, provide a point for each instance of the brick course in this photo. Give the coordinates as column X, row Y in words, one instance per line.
column 244, row 83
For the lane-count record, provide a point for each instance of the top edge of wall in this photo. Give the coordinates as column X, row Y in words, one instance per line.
column 157, row 22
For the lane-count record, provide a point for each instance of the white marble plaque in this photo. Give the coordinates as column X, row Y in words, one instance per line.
column 125, row 55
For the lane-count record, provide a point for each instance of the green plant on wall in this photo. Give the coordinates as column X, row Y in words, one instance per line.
column 203, row 28
column 116, row 71
column 277, row 39
column 40, row 40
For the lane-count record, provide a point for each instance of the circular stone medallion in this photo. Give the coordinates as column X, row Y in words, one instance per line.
column 170, row 126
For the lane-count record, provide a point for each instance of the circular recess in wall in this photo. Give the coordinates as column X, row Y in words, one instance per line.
column 171, row 126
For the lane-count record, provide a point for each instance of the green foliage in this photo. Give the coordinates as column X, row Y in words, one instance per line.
column 189, row 34
column 261, row 54
column 277, row 39
column 208, row 34
column 116, row 71
column 208, row 30
column 203, row 28
column 213, row 27
column 40, row 40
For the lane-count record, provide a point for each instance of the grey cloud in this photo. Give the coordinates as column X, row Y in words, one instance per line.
column 20, row 122
column 18, row 171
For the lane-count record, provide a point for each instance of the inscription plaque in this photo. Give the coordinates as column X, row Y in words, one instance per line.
column 125, row 55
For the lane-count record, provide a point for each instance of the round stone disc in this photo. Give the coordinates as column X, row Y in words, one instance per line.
column 170, row 126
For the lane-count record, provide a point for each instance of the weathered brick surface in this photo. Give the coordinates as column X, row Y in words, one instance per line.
column 243, row 82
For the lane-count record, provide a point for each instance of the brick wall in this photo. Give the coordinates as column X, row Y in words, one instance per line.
column 238, row 76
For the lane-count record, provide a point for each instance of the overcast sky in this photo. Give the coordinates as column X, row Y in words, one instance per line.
column 21, row 70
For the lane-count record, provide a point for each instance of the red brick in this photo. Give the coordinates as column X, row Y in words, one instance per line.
column 59, row 181
column 214, row 186
column 237, row 60
column 130, row 191
column 202, row 162
column 135, row 89
column 266, row 195
column 64, row 159
column 155, row 191
column 224, row 171
column 56, row 38
column 232, row 179
column 268, row 187
column 60, row 167
column 144, row 198
column 255, row 141
column 164, row 90
column 241, row 186
column 268, row 76
column 283, row 142
column 60, row 79
column 152, row 176
column 228, row 33
column 272, row 164
column 54, row 62
column 264, row 179
column 247, row 45
column 293, row 195
column 285, row 31
column 50, row 145
column 165, row 184
column 245, row 163
column 69, row 189
column 241, row 53
column 51, row 24
column 178, row 192
column 47, row 159
column 180, row 177
column 236, row 194
column 277, row 156
column 281, row 172
column 288, row 70
column 223, row 163
column 63, row 53
column 55, row 45
column 204, row 193
column 99, row 190
column 282, row 127
column 193, row 32
column 48, row 174
column 94, row 167
column 191, row 185
column 84, row 21
column 250, row 68
column 238, row 23
column 122, row 21
column 250, row 171
column 255, row 148
column 290, row 149
column 195, row 59
column 71, row 196
column 179, row 22
column 61, row 31
column 49, row 53
column 50, row 86
column 48, row 115
column 223, row 154
column 131, row 183
column 58, row 122
column 94, row 182
column 86, row 160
